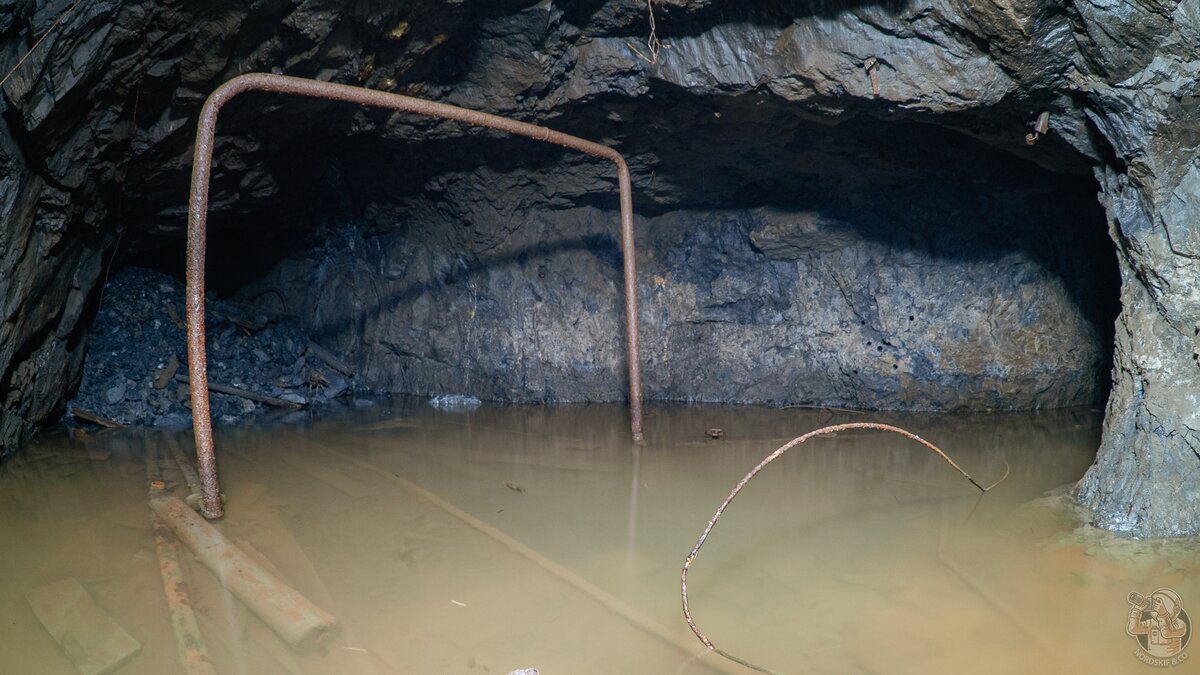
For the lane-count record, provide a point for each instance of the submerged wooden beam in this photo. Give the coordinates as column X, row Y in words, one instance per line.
column 90, row 638
column 193, row 655
column 296, row 620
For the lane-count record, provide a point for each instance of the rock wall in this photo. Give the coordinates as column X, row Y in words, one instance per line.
column 753, row 117
column 1145, row 99
column 50, row 242
column 985, row 309
column 95, row 132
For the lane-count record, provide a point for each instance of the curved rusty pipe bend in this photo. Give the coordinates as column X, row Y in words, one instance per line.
column 198, row 214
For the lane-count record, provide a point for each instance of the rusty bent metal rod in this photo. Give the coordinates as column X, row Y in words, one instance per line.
column 198, row 213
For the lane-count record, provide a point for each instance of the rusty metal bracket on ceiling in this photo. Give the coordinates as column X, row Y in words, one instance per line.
column 198, row 213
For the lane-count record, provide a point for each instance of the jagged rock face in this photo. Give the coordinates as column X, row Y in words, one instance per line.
column 1145, row 99
column 500, row 289
column 94, row 145
column 927, row 297
column 792, row 168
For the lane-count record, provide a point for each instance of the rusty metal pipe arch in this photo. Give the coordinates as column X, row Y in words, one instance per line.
column 198, row 215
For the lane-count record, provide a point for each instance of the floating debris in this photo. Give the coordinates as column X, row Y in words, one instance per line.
column 455, row 402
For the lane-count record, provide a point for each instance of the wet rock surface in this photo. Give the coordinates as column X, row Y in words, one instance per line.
column 136, row 370
column 1146, row 102
column 96, row 125
column 748, row 306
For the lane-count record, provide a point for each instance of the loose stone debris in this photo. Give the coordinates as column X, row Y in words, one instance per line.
column 136, row 368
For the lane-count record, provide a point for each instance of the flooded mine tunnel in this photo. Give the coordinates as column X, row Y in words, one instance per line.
column 975, row 222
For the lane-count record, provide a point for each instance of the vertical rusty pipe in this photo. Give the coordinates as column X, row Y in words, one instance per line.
column 198, row 211
column 210, row 487
column 628, row 254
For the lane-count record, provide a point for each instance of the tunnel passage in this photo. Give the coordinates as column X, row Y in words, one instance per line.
column 98, row 115
column 873, row 263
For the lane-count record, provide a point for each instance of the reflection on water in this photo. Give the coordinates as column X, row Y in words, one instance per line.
column 511, row 538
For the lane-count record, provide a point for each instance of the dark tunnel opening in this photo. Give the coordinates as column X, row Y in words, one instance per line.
column 740, row 201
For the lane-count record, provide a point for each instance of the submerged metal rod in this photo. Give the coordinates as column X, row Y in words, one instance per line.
column 712, row 522
column 198, row 214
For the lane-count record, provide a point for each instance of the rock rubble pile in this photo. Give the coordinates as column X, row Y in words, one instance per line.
column 136, row 369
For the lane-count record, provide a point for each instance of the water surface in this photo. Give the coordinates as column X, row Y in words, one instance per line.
column 510, row 538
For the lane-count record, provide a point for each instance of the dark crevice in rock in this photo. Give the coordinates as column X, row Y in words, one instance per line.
column 677, row 18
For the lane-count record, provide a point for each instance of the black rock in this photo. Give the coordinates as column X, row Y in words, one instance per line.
column 134, row 336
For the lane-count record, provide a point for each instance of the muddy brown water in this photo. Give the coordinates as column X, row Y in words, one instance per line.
column 511, row 537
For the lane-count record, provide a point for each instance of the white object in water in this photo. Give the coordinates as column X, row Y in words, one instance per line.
column 454, row 402
column 525, row 671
